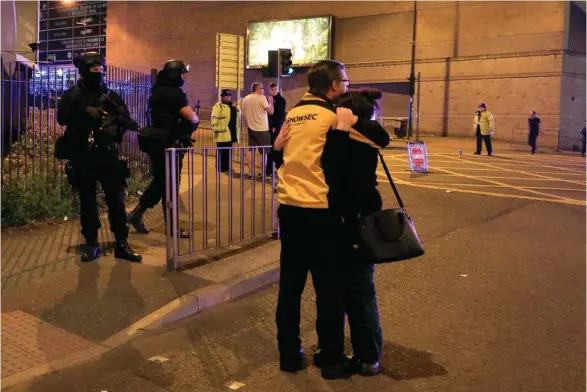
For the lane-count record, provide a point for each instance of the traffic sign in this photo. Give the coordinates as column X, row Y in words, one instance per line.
column 230, row 61
column 418, row 156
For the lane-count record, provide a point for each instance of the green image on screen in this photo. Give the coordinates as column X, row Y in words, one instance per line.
column 307, row 38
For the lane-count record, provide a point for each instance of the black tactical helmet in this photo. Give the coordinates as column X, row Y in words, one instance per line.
column 88, row 60
column 176, row 65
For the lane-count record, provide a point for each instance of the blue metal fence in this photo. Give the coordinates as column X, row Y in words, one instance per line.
column 30, row 96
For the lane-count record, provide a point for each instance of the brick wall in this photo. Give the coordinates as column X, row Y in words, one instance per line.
column 506, row 54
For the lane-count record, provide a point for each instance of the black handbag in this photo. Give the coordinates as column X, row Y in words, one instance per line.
column 389, row 235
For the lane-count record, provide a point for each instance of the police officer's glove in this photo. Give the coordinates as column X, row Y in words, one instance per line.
column 95, row 113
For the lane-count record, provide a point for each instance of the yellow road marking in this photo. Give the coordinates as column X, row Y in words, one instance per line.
column 562, row 159
column 515, row 163
column 490, row 170
column 501, row 183
column 523, row 172
column 554, row 167
column 489, row 177
column 546, row 188
column 502, row 195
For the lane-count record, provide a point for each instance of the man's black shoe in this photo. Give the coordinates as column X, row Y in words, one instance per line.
column 294, row 363
column 333, row 372
column 336, row 372
column 124, row 251
column 90, row 252
column 356, row 366
column 319, row 360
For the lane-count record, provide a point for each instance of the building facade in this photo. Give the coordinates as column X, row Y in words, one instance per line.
column 513, row 56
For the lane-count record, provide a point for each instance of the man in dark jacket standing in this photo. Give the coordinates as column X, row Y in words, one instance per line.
column 275, row 120
column 172, row 124
column 533, row 130
column 93, row 135
column 278, row 117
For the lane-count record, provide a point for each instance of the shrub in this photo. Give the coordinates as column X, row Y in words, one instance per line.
column 34, row 187
column 41, row 197
column 36, row 198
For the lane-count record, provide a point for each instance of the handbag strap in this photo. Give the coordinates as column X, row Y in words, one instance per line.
column 397, row 196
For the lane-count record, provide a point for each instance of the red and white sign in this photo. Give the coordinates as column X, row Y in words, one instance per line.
column 418, row 156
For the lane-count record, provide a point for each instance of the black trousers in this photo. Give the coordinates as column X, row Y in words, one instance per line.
column 223, row 159
column 309, row 244
column 360, row 296
column 361, row 308
column 101, row 165
column 532, row 136
column 583, row 146
column 269, row 164
column 155, row 192
column 487, row 139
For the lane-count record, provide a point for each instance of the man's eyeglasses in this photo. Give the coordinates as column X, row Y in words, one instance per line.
column 347, row 81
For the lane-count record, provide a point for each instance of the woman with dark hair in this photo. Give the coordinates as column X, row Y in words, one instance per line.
column 360, row 297
column 359, row 198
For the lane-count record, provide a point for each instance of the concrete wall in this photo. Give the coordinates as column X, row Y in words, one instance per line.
column 506, row 54
column 27, row 26
column 19, row 29
column 572, row 104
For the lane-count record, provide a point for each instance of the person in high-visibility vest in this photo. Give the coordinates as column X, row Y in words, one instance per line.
column 483, row 126
column 226, row 127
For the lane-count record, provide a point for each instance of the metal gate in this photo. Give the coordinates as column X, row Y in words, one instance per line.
column 30, row 96
column 218, row 209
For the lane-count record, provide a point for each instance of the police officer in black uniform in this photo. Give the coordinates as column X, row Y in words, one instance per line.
column 173, row 122
column 96, row 119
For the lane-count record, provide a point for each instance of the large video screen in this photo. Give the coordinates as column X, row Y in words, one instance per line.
column 308, row 38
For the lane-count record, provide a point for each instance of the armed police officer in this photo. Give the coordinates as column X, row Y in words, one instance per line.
column 96, row 119
column 172, row 123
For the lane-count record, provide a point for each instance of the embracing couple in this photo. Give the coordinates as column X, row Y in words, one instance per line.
column 326, row 154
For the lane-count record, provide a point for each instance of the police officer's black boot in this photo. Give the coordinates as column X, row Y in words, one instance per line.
column 90, row 251
column 124, row 251
column 135, row 219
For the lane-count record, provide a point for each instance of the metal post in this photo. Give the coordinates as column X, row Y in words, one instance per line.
column 205, row 198
column 230, row 171
column 169, row 210
column 418, row 108
column 191, row 198
column 242, row 195
column 412, row 71
column 219, row 153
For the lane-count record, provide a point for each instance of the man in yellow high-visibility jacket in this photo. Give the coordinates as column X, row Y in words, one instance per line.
column 226, row 127
column 483, row 125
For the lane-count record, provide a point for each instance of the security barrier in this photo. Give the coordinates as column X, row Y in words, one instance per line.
column 217, row 209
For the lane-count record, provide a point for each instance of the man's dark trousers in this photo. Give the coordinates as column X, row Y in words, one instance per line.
column 480, row 139
column 155, row 192
column 309, row 244
column 224, row 156
column 532, row 136
column 101, row 165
